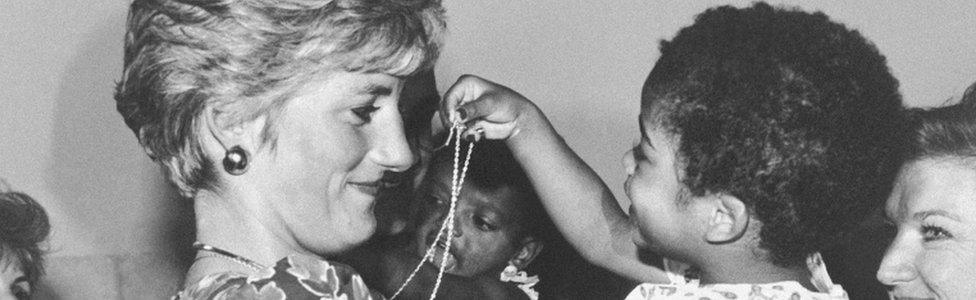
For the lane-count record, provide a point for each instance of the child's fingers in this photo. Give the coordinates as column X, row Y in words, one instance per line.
column 482, row 129
column 484, row 107
column 466, row 89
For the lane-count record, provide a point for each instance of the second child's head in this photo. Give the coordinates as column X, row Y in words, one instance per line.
column 23, row 228
column 768, row 128
column 498, row 216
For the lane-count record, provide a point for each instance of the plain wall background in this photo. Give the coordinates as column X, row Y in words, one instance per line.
column 583, row 62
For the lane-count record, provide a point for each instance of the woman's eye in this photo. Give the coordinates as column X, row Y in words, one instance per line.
column 484, row 224
column 933, row 233
column 365, row 113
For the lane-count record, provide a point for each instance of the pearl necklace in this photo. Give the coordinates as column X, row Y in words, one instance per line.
column 457, row 180
column 217, row 252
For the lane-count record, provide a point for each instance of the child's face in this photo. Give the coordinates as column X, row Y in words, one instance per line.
column 13, row 281
column 935, row 250
column 486, row 230
column 654, row 188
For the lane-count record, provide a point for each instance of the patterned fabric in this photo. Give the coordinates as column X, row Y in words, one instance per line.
column 293, row 277
column 684, row 287
column 786, row 290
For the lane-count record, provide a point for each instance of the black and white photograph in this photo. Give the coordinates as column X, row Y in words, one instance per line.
column 448, row 149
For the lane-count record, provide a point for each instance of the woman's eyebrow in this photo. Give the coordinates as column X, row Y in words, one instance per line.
column 922, row 215
column 375, row 89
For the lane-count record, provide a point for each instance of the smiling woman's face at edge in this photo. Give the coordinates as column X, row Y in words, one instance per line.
column 336, row 138
column 934, row 253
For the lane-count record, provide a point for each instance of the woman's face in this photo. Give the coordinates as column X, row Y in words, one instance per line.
column 934, row 253
column 13, row 281
column 654, row 188
column 486, row 230
column 336, row 139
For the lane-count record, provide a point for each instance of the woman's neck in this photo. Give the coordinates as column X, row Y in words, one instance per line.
column 238, row 223
column 753, row 270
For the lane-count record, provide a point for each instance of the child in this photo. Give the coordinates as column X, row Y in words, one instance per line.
column 499, row 223
column 765, row 134
column 23, row 227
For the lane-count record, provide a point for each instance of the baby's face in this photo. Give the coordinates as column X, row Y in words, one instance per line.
column 486, row 232
column 654, row 188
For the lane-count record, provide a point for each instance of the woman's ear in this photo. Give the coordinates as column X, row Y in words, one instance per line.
column 728, row 221
column 228, row 132
column 531, row 247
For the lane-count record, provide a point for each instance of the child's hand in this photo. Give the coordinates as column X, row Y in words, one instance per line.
column 488, row 110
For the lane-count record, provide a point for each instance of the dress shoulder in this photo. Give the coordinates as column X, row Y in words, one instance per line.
column 293, row 277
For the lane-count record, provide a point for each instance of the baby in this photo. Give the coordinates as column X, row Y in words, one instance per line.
column 499, row 224
column 498, row 217
column 766, row 133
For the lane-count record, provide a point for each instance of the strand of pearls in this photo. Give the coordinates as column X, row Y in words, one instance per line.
column 457, row 180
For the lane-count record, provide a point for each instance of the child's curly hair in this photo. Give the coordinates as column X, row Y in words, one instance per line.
column 796, row 115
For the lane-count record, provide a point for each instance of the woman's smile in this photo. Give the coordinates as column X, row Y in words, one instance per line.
column 371, row 187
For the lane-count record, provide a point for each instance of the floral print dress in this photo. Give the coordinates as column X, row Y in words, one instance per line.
column 293, row 277
column 683, row 286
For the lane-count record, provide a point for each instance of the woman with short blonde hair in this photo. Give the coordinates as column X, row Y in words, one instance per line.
column 279, row 119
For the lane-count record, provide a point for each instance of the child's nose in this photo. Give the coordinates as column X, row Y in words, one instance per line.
column 457, row 227
column 628, row 162
column 457, row 223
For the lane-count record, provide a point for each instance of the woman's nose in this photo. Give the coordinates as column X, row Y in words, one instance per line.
column 629, row 163
column 392, row 150
column 897, row 266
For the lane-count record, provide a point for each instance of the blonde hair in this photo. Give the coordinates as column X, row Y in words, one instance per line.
column 245, row 59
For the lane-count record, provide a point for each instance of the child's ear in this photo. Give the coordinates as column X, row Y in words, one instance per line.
column 728, row 220
column 531, row 247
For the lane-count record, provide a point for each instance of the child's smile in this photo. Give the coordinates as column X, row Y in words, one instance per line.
column 654, row 188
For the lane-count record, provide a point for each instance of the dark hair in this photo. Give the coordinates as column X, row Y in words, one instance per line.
column 23, row 227
column 245, row 59
column 794, row 114
column 492, row 167
column 947, row 132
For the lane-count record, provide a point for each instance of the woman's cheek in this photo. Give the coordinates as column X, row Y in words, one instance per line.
column 940, row 271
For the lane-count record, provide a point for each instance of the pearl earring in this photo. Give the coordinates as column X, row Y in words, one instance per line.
column 235, row 161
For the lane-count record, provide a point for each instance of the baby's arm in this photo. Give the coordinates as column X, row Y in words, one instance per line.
column 581, row 205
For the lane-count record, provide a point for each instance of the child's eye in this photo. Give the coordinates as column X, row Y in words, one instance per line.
column 435, row 201
column 934, row 233
column 638, row 154
column 21, row 290
column 484, row 224
column 365, row 113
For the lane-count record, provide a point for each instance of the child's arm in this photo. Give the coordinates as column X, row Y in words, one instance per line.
column 580, row 204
